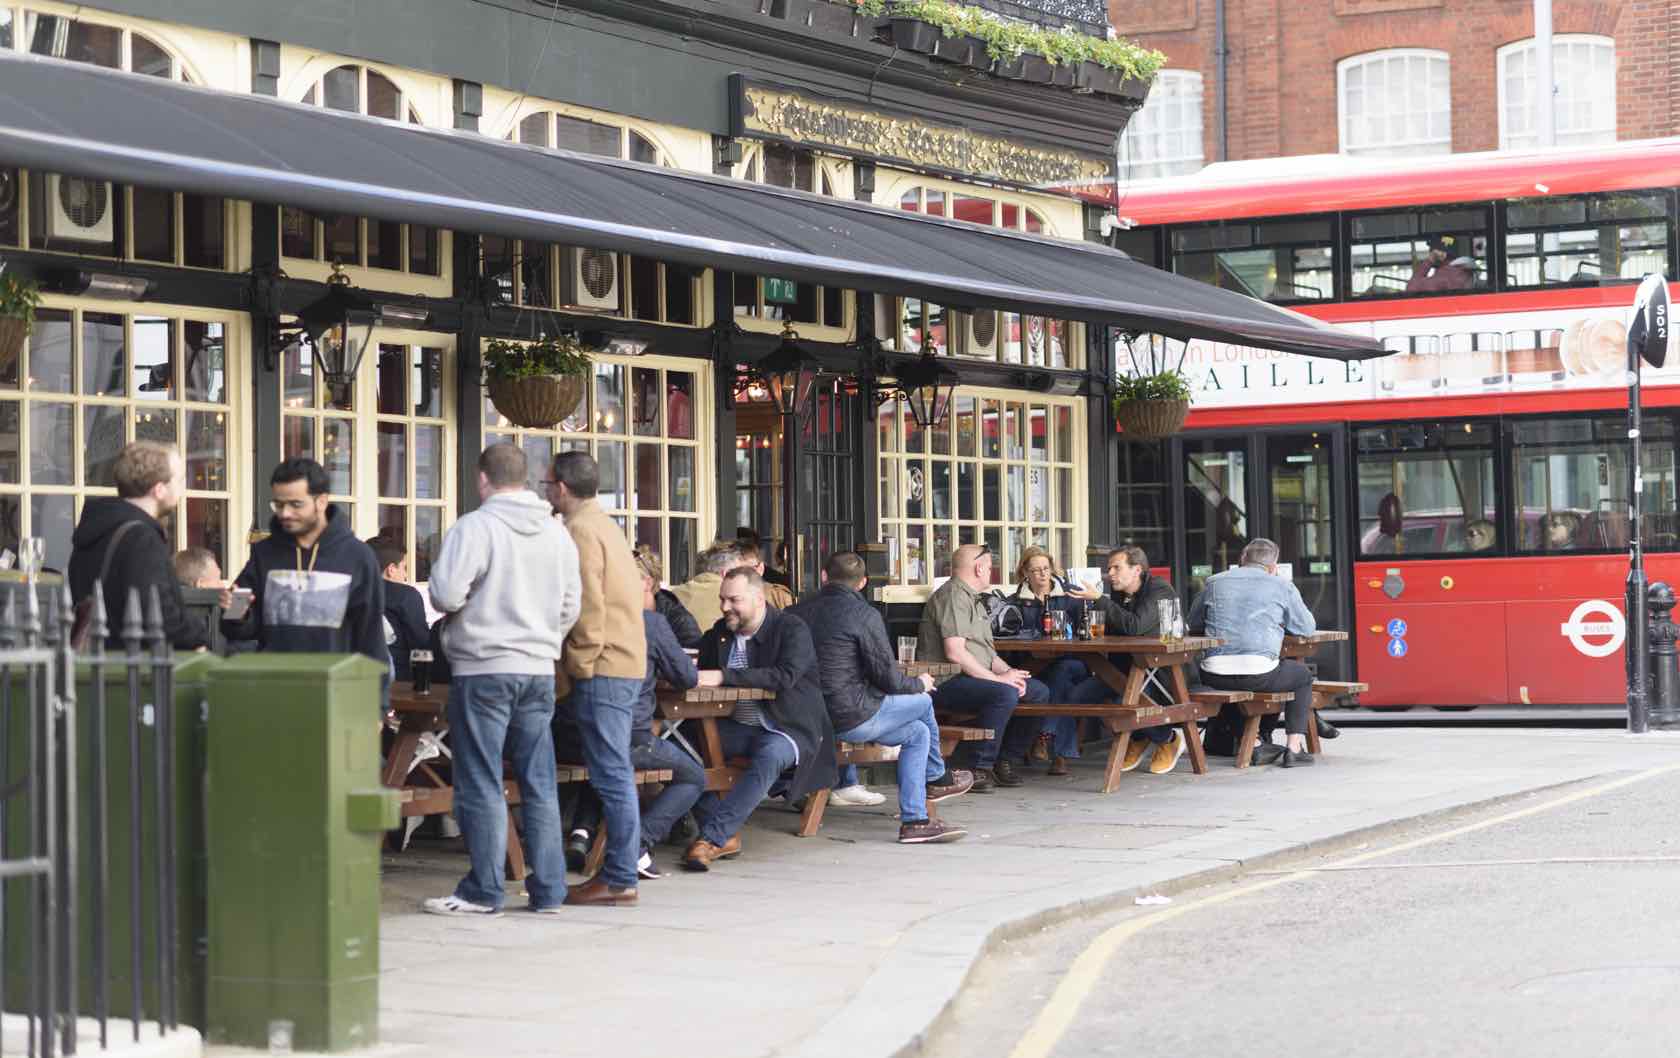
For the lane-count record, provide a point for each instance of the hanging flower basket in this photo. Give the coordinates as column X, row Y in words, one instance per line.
column 13, row 330
column 18, row 301
column 538, row 384
column 1149, row 420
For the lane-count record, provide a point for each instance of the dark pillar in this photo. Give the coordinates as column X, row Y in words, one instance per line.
column 469, row 388
column 723, row 400
column 265, row 358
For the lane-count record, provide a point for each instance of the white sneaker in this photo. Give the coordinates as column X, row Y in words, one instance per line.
column 646, row 868
column 855, row 796
column 454, row 905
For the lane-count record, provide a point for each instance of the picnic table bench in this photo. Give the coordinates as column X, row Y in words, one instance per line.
column 1272, row 703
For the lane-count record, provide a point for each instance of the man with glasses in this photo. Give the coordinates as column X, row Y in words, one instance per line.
column 314, row 587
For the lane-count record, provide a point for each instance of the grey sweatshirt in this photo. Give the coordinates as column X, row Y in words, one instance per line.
column 507, row 576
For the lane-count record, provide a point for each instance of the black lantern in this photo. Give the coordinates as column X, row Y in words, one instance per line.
column 339, row 328
column 926, row 385
column 788, row 373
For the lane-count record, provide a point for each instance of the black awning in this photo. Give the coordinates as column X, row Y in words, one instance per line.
column 87, row 121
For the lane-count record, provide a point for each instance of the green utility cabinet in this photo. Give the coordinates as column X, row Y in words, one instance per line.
column 296, row 815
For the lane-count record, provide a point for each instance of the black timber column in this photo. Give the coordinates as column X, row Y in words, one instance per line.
column 265, row 357
column 723, row 400
column 469, row 374
column 1103, row 449
column 866, row 494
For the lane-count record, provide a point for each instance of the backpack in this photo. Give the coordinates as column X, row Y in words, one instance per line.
column 1005, row 617
column 83, row 626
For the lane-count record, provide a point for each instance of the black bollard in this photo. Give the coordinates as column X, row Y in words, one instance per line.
column 1665, row 677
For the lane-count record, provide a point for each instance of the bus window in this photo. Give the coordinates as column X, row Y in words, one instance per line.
column 1418, row 251
column 1426, row 489
column 1139, row 244
column 1571, row 484
column 1284, row 260
column 1587, row 238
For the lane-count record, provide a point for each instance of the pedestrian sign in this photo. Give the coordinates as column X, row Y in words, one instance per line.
column 1397, row 628
column 1396, row 648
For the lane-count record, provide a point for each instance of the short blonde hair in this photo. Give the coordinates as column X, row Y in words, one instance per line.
column 142, row 466
column 647, row 560
column 1028, row 555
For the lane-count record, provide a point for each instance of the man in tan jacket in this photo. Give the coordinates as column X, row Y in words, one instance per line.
column 605, row 661
column 700, row 595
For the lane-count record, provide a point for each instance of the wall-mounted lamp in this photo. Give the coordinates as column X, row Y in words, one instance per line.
column 103, row 285
column 926, row 385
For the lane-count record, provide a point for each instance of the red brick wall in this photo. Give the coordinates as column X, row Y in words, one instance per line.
column 1283, row 55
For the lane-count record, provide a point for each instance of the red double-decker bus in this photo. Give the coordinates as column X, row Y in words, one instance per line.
column 1459, row 506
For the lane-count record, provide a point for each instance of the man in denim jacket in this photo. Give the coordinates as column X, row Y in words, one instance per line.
column 1251, row 608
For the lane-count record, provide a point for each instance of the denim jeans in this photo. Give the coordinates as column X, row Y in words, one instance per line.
column 994, row 703
column 605, row 708
column 770, row 754
column 1061, row 678
column 1290, row 675
column 906, row 721
column 1096, row 692
column 492, row 718
column 688, row 782
column 848, row 776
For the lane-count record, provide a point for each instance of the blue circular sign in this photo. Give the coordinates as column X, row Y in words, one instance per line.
column 1397, row 628
column 1396, row 648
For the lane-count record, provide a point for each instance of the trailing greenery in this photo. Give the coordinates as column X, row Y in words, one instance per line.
column 561, row 355
column 1167, row 385
column 872, row 8
column 1007, row 41
column 19, row 298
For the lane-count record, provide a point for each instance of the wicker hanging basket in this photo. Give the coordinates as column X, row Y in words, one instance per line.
column 1147, row 420
column 13, row 330
column 538, row 401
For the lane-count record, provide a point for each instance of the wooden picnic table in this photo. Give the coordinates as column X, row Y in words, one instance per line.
column 1133, row 712
column 1302, row 646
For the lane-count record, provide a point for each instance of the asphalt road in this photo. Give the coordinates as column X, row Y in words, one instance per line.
column 1556, row 933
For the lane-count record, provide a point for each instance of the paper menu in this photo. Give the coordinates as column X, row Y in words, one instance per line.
column 1088, row 577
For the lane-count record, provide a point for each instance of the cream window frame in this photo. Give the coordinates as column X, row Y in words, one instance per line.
column 234, row 252
column 893, row 472
column 838, row 172
column 1417, row 102
column 702, row 293
column 236, row 354
column 1596, row 47
column 182, row 69
column 1174, row 108
column 1062, row 218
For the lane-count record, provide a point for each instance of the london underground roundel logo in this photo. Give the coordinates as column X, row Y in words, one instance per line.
column 1597, row 619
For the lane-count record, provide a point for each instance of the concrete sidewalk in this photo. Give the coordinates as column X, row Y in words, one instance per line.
column 850, row 945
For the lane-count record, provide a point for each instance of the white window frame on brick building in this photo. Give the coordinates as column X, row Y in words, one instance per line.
column 1164, row 138
column 1584, row 75
column 1395, row 100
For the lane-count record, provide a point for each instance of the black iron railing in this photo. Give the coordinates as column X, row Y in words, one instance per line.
column 42, row 846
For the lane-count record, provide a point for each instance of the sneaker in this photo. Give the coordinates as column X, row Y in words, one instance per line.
column 1040, row 751
column 646, row 868
column 1293, row 758
column 1004, row 773
column 855, row 797
column 1166, row 755
column 1267, row 753
column 577, row 849
column 929, row 832
column 1135, row 749
column 951, row 784
column 983, row 781
column 454, row 905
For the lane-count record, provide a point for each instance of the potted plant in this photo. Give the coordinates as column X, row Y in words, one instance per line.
column 536, row 384
column 1152, row 406
column 18, row 301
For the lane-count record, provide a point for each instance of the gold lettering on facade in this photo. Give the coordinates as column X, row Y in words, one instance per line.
column 821, row 124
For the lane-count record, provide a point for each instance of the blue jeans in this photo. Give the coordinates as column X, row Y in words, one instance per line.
column 906, row 721
column 605, row 708
column 770, row 754
column 688, row 782
column 848, row 775
column 492, row 718
column 1095, row 692
column 1062, row 677
column 994, row 703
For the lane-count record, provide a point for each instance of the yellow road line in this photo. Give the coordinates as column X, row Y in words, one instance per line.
column 1052, row 1023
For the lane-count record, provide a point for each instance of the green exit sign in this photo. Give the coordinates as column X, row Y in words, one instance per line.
column 780, row 291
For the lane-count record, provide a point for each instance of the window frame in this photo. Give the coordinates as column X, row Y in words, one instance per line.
column 1669, row 219
column 1527, row 47
column 1157, row 102
column 1497, row 449
column 1493, row 235
column 1384, row 56
column 1513, row 532
column 1335, row 246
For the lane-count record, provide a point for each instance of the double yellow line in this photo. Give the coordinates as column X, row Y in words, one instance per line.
column 1052, row 1023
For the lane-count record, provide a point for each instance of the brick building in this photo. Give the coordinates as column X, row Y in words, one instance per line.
column 1392, row 76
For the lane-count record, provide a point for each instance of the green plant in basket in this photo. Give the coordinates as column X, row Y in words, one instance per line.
column 19, row 298
column 558, row 355
column 1166, row 385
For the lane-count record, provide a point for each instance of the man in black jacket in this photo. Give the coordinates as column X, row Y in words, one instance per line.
column 151, row 479
column 405, row 610
column 753, row 645
column 315, row 587
column 1132, row 608
column 870, row 700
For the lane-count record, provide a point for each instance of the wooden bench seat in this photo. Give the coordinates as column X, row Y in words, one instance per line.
column 1272, row 703
column 810, row 820
column 571, row 773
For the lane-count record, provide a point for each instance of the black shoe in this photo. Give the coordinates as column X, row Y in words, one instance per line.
column 1325, row 728
column 577, row 849
column 1267, row 753
column 1004, row 774
column 983, row 781
column 1296, row 759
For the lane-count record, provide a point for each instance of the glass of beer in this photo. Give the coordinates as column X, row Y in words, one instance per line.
column 906, row 649
column 1098, row 618
column 420, row 665
column 1171, row 623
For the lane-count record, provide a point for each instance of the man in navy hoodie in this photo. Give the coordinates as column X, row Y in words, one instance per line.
column 315, row 587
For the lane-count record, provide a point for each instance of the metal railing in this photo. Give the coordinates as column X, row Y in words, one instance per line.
column 42, row 783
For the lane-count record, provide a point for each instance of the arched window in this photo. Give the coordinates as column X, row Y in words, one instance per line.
column 64, row 37
column 359, row 90
column 546, row 128
column 1584, row 76
column 1164, row 138
column 1395, row 100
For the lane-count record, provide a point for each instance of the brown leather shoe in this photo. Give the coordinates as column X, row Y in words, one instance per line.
column 596, row 892
column 700, row 855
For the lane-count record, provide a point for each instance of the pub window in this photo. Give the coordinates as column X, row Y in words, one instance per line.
column 1587, row 238
column 777, row 299
column 87, row 383
column 642, row 420
column 1427, row 489
column 1570, row 484
column 1419, row 251
column 1142, row 501
column 548, row 128
column 73, row 38
column 73, row 214
column 1284, row 260
column 542, row 275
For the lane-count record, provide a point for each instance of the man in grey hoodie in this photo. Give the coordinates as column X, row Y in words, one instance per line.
column 507, row 577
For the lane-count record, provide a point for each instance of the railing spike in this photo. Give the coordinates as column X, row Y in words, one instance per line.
column 133, row 626
column 99, row 628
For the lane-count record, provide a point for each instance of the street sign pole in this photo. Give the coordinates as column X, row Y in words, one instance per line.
column 1647, row 342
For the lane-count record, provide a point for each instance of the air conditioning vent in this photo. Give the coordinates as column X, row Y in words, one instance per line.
column 591, row 279
column 979, row 333
column 78, row 209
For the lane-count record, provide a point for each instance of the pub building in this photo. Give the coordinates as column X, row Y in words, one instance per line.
column 682, row 194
